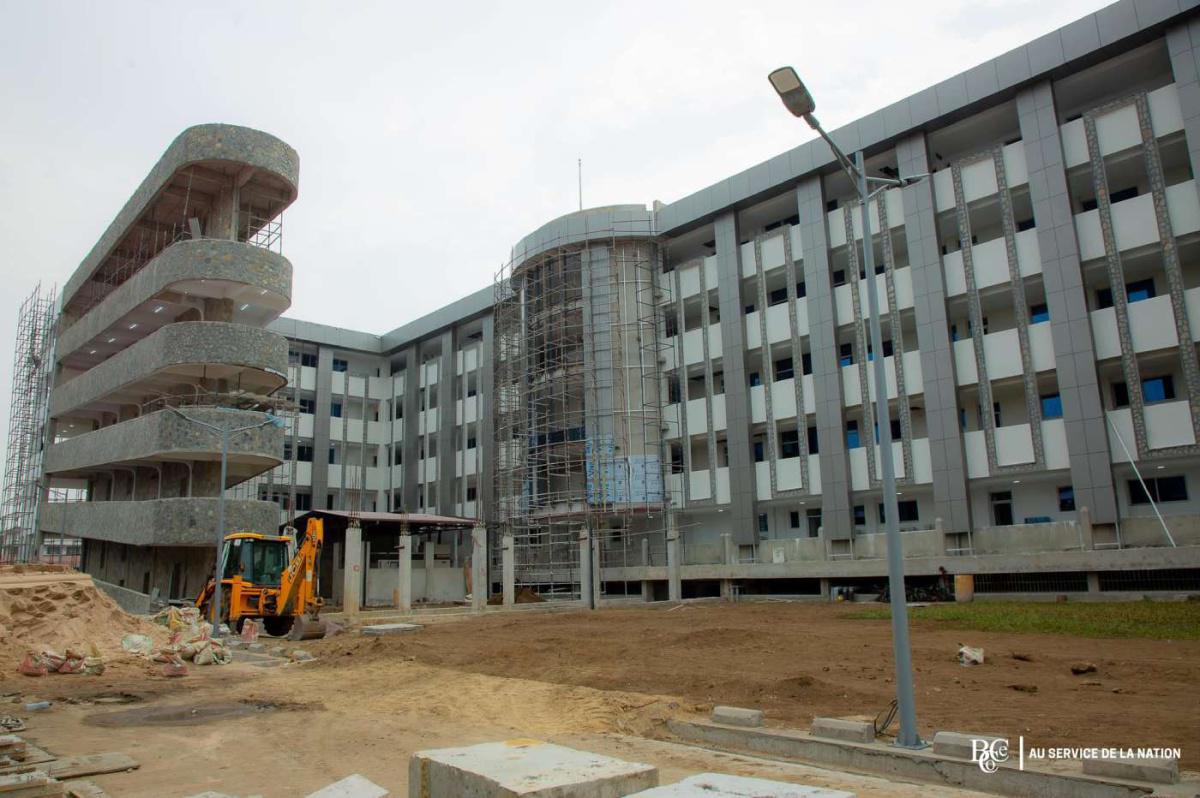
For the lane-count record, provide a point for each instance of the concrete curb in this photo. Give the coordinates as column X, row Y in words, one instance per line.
column 886, row 760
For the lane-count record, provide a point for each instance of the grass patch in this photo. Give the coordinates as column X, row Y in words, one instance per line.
column 1156, row 620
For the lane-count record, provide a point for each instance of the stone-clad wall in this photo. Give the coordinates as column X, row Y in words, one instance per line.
column 194, row 342
column 212, row 142
column 199, row 259
column 165, row 433
column 159, row 522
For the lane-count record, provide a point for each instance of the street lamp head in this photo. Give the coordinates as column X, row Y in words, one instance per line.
column 791, row 90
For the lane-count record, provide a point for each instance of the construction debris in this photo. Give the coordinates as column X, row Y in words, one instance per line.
column 31, row 785
column 969, row 655
column 353, row 786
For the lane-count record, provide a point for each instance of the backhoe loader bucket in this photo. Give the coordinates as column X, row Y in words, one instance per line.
column 307, row 628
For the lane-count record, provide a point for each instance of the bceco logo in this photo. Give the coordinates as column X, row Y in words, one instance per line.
column 989, row 754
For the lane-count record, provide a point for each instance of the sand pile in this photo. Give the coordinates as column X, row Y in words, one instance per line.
column 46, row 608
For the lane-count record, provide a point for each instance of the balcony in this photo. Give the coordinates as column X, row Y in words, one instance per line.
column 772, row 252
column 1002, row 354
column 163, row 436
column 250, row 359
column 837, row 224
column 991, row 263
column 1151, row 325
column 844, row 297
column 158, row 522
column 979, row 178
column 1134, row 222
column 1118, row 130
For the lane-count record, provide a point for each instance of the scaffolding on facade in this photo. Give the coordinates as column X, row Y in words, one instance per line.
column 579, row 409
column 278, row 484
column 33, row 362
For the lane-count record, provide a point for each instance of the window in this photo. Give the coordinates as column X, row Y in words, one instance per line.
column 750, row 308
column 471, row 442
column 1123, row 194
column 1139, row 290
column 759, row 455
column 1002, row 509
column 471, row 493
column 962, row 418
column 813, row 448
column 332, row 456
column 1120, row 394
column 340, row 365
column 308, row 360
column 801, row 290
column 846, row 355
column 906, row 512
column 1158, row 389
column 1039, row 314
column 755, row 380
column 287, row 450
column 887, row 350
column 304, row 453
column 860, row 515
column 783, row 369
column 794, row 519
column 1051, row 405
column 676, row 459
column 839, row 278
column 1024, row 224
column 1066, row 499
column 852, row 437
column 307, row 405
column 762, row 522
column 996, row 414
column 1161, row 489
column 335, row 409
column 671, row 325
column 814, row 522
column 303, row 502
column 806, row 363
column 777, row 297
column 673, row 394
column 398, row 456
column 789, row 443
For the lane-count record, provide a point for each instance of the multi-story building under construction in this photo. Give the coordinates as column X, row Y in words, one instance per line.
column 676, row 400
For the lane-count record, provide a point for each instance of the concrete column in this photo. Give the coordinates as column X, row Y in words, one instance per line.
column 586, row 590
column 674, row 564
column 827, row 374
column 479, row 577
column 1093, row 582
column 447, row 401
column 320, row 460
column 412, row 401
column 730, row 549
column 946, row 455
column 428, row 552
column 742, row 495
column 597, row 573
column 509, row 567
column 487, row 480
column 352, row 573
column 404, row 588
column 1070, row 323
column 1086, row 537
column 825, row 588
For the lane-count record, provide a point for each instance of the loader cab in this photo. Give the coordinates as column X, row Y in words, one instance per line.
column 257, row 559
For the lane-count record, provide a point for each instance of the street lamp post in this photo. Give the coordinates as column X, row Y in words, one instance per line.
column 226, row 434
column 800, row 103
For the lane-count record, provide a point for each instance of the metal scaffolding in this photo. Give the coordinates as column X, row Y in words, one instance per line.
column 33, row 366
column 579, row 408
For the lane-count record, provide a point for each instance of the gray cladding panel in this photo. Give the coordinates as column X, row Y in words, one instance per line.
column 1073, row 349
column 737, row 397
column 947, row 459
column 827, row 377
column 321, row 425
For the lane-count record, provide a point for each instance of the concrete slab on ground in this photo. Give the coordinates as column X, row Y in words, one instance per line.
column 524, row 769
column 960, row 744
column 722, row 785
column 377, row 629
column 1156, row 771
column 353, row 786
column 854, row 731
column 737, row 716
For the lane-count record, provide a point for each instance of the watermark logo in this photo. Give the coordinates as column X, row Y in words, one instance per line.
column 989, row 753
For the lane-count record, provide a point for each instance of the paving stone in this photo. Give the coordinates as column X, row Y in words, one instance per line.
column 353, row 786
column 524, row 769
column 722, row 785
column 854, row 731
column 1157, row 771
column 389, row 629
column 737, row 716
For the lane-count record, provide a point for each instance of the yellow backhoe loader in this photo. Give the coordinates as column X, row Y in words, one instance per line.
column 272, row 578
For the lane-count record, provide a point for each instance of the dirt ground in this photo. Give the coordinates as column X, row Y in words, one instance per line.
column 605, row 682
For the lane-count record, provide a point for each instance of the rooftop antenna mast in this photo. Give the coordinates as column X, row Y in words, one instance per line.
column 580, row 184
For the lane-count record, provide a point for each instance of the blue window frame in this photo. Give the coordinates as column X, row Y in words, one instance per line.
column 1158, row 389
column 852, row 438
column 846, row 355
column 1051, row 406
column 1139, row 290
column 1039, row 314
column 335, row 409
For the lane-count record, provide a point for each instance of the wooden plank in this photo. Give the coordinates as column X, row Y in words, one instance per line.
column 33, row 756
column 70, row 767
column 22, row 782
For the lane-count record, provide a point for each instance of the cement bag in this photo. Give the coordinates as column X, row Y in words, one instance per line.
column 32, row 665
column 969, row 655
column 137, row 644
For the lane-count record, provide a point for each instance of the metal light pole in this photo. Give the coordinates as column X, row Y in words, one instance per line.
column 226, row 434
column 797, row 100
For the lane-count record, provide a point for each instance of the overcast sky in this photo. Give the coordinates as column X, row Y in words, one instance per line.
column 432, row 136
